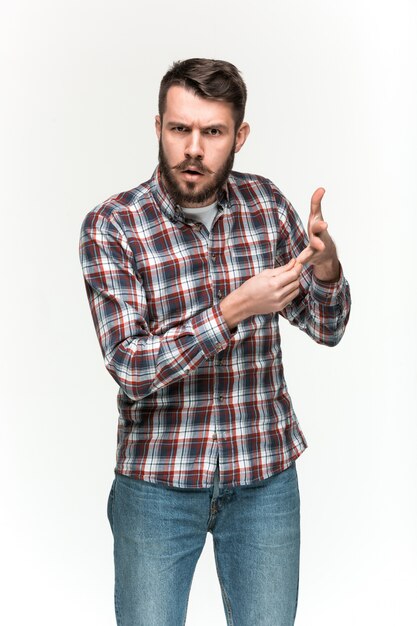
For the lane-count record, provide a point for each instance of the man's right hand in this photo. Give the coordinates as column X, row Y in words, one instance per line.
column 268, row 292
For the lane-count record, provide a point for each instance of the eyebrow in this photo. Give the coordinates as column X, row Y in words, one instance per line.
column 207, row 127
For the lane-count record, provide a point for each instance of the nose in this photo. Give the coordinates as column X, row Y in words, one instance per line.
column 194, row 146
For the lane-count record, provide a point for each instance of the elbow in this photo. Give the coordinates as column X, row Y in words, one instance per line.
column 329, row 343
column 131, row 388
column 330, row 340
column 134, row 385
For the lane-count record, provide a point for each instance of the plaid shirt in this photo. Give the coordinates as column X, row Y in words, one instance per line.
column 192, row 391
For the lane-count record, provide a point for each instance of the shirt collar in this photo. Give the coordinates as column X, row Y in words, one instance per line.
column 167, row 205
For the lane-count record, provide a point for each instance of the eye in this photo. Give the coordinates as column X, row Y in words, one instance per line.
column 180, row 129
column 213, row 132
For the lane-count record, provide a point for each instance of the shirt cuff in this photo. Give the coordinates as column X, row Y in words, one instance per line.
column 211, row 331
column 327, row 292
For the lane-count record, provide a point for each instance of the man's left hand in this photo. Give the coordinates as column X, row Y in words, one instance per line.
column 321, row 251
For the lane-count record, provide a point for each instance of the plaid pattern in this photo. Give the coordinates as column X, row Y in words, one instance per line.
column 190, row 389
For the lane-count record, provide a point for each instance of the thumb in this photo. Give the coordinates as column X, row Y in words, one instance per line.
column 315, row 206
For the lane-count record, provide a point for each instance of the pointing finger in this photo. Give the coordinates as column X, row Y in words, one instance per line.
column 305, row 255
column 284, row 268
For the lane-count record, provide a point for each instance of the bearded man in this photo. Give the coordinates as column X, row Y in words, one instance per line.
column 187, row 276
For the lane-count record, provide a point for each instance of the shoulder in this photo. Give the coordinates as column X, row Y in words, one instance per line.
column 116, row 210
column 253, row 188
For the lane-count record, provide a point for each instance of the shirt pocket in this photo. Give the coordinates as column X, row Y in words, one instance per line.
column 253, row 257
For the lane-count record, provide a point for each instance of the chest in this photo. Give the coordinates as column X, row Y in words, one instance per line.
column 185, row 269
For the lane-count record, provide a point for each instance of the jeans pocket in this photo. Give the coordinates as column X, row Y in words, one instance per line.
column 110, row 502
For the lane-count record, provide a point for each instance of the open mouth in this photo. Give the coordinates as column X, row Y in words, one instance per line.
column 192, row 172
column 191, row 175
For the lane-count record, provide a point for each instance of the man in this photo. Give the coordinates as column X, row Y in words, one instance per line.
column 185, row 276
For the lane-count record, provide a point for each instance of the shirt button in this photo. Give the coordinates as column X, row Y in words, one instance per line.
column 221, row 397
column 219, row 293
column 213, row 257
column 214, row 436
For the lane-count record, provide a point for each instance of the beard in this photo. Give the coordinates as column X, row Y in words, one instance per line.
column 190, row 195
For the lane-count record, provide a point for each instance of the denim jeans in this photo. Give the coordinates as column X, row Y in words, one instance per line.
column 159, row 533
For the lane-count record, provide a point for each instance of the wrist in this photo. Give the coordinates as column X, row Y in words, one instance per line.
column 329, row 271
column 233, row 308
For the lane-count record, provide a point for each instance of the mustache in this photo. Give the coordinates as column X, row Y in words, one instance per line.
column 194, row 164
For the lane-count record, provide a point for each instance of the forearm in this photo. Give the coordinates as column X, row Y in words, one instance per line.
column 140, row 358
column 322, row 311
column 144, row 363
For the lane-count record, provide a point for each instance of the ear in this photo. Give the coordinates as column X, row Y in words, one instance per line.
column 158, row 126
column 242, row 135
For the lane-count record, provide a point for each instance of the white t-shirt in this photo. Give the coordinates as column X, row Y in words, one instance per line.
column 203, row 214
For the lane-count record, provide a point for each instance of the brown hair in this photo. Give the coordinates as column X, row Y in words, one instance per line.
column 207, row 78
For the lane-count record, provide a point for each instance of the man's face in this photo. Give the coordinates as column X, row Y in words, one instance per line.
column 197, row 144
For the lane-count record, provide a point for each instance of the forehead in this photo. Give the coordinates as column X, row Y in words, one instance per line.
column 183, row 105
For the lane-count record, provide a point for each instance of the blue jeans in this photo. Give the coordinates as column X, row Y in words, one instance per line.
column 159, row 533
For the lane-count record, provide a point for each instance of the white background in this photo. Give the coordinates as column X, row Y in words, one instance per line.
column 332, row 102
